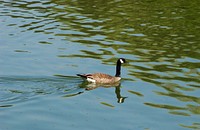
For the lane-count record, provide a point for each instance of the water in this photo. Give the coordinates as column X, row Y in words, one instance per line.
column 45, row 43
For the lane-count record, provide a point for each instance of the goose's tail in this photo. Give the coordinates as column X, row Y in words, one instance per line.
column 82, row 75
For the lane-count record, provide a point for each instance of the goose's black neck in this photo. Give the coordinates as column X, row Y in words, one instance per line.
column 118, row 69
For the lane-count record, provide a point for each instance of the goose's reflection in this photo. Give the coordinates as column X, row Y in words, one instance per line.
column 117, row 86
column 120, row 98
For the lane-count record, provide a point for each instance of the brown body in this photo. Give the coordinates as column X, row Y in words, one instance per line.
column 101, row 78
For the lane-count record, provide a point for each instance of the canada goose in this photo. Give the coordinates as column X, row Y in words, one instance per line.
column 105, row 78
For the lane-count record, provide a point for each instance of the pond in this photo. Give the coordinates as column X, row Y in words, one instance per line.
column 44, row 44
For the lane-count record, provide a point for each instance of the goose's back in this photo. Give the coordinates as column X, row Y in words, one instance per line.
column 104, row 78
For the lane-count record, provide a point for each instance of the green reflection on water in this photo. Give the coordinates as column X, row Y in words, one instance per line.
column 179, row 113
column 72, row 95
column 173, row 109
column 2, row 106
column 194, row 126
column 136, row 93
column 107, row 104
column 170, row 107
column 180, row 96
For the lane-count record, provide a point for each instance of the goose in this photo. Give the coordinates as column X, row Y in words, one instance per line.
column 101, row 78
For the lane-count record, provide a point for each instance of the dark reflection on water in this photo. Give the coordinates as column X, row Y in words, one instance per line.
column 117, row 86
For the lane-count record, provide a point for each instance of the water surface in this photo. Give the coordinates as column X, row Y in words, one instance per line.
column 45, row 43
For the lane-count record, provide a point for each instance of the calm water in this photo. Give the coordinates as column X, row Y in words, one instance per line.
column 43, row 44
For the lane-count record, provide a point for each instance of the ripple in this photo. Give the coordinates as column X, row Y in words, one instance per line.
column 20, row 89
column 33, row 15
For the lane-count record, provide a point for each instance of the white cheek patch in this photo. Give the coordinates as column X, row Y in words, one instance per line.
column 90, row 80
column 121, row 61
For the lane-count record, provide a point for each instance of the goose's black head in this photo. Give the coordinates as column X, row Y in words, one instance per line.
column 118, row 66
column 121, row 60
